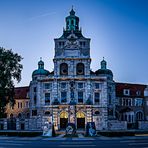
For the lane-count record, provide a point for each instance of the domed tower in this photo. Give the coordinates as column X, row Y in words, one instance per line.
column 104, row 71
column 72, row 21
column 40, row 71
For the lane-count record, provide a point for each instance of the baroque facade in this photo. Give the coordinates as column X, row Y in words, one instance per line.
column 72, row 92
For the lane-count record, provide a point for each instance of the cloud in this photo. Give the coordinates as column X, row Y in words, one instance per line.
column 40, row 16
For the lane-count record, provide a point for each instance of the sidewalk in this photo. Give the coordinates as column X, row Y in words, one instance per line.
column 61, row 137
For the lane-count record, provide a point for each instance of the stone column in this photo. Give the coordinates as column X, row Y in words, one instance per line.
column 72, row 114
column 55, row 117
column 26, row 124
column 17, row 124
column 5, row 124
column 88, row 113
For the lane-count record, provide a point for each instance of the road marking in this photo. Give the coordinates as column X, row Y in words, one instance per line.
column 83, row 139
column 64, row 145
column 138, row 144
column 135, row 141
column 9, row 141
column 73, row 142
column 11, row 144
column 141, row 134
column 126, row 141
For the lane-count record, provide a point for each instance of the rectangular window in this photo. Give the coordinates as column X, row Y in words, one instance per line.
column 109, row 89
column 63, row 85
column 138, row 102
column 34, row 89
column 80, row 85
column 34, row 112
column 80, row 97
column 97, row 97
column 21, row 105
column 147, row 103
column 61, row 44
column 82, row 44
column 110, row 99
column 97, row 86
column 35, row 99
column 126, row 102
column 27, row 104
column 47, row 98
column 63, row 97
column 126, row 92
column 47, row 85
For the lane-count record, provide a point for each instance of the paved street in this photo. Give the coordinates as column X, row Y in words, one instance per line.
column 101, row 142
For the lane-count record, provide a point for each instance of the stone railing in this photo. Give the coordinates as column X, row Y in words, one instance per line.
column 143, row 125
column 117, row 125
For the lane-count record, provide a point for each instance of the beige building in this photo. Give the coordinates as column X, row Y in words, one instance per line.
column 21, row 106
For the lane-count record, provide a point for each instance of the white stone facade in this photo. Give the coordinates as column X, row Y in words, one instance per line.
column 72, row 92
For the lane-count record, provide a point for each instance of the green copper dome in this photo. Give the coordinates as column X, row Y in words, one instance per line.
column 40, row 70
column 104, row 70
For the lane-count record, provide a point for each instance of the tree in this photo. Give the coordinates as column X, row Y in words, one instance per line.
column 10, row 70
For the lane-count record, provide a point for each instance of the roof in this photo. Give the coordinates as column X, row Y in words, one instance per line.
column 134, row 88
column 40, row 72
column 104, row 72
column 21, row 92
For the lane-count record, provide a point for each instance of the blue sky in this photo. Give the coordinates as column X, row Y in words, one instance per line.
column 118, row 30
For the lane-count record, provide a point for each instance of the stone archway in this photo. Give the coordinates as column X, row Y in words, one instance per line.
column 80, row 120
column 63, row 120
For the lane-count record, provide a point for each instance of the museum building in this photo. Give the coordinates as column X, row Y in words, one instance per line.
column 73, row 92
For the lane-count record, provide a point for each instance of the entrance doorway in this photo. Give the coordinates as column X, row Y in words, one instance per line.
column 63, row 120
column 80, row 120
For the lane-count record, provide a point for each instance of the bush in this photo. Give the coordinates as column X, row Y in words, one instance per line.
column 116, row 134
column 21, row 134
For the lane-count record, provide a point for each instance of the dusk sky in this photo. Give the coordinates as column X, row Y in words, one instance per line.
column 118, row 30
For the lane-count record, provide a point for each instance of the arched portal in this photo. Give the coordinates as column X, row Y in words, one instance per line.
column 80, row 120
column 63, row 119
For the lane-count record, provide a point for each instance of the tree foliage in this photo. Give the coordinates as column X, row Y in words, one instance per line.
column 10, row 70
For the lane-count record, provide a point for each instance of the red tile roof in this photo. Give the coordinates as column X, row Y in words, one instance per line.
column 21, row 92
column 132, row 87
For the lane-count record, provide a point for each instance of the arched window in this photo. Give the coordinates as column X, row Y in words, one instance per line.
column 80, row 115
column 139, row 116
column 11, row 115
column 97, row 112
column 19, row 115
column 63, row 69
column 72, row 22
column 47, row 113
column 27, row 115
column 80, row 69
column 64, row 114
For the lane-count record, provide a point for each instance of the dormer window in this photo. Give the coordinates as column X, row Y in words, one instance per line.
column 126, row 92
column 138, row 93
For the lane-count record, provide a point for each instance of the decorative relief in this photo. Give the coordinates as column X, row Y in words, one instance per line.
column 72, row 44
